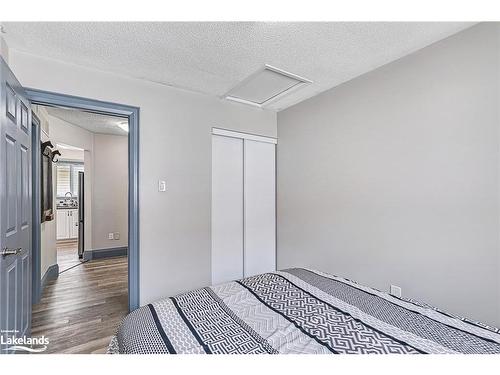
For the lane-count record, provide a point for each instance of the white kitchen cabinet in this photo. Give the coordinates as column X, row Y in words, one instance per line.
column 62, row 224
column 73, row 222
column 67, row 224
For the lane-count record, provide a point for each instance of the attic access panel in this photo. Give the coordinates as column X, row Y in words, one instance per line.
column 265, row 86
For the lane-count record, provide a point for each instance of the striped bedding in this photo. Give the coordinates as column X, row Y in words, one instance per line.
column 297, row 311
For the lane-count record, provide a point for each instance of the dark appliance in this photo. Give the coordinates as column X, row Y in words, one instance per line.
column 81, row 214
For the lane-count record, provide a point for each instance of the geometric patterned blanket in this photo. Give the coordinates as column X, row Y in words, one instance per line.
column 297, row 311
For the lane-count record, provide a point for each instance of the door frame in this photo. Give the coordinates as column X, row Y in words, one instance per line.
column 48, row 98
column 36, row 209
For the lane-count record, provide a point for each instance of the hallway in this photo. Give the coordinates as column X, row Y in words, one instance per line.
column 67, row 255
column 80, row 311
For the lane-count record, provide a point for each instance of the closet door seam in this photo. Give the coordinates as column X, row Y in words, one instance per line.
column 243, row 208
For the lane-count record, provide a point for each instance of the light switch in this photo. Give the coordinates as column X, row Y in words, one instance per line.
column 162, row 185
column 110, row 236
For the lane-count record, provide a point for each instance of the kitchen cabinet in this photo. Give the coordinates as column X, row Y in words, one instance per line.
column 62, row 224
column 73, row 231
column 67, row 224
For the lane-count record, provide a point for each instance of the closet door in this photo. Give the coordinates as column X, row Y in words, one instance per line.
column 260, row 207
column 227, row 209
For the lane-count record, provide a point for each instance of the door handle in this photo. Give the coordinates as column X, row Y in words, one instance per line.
column 6, row 251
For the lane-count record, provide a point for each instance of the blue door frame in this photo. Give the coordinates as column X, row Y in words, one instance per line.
column 114, row 109
column 36, row 208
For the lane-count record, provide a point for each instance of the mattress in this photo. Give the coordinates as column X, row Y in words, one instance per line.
column 297, row 311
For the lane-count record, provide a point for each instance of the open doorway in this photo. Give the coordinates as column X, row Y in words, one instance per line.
column 85, row 237
column 70, row 207
column 90, row 183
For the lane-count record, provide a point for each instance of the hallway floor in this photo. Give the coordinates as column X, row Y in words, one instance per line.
column 67, row 255
column 80, row 311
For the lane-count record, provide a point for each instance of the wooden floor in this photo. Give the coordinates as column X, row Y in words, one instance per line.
column 80, row 311
column 67, row 255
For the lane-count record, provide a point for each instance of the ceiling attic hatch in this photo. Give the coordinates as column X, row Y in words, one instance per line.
column 266, row 85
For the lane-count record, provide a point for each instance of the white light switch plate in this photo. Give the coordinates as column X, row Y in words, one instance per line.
column 395, row 291
column 162, row 185
column 116, row 235
column 110, row 236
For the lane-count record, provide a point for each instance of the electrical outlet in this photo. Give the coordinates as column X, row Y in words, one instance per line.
column 117, row 235
column 395, row 291
column 110, row 236
column 162, row 185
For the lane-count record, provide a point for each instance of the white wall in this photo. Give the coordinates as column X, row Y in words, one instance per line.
column 106, row 181
column 48, row 254
column 71, row 155
column 4, row 50
column 175, row 145
column 69, row 134
column 394, row 177
column 110, row 191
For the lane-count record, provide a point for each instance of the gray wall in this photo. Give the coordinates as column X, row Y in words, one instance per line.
column 393, row 177
column 110, row 190
column 48, row 253
column 175, row 145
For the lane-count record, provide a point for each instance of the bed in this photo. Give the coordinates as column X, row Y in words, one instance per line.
column 297, row 311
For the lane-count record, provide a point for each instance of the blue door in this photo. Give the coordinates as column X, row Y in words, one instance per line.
column 15, row 208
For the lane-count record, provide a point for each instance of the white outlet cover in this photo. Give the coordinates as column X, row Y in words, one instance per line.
column 162, row 185
column 395, row 291
column 117, row 235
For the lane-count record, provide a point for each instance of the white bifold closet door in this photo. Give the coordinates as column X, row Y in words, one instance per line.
column 227, row 209
column 260, row 208
column 243, row 207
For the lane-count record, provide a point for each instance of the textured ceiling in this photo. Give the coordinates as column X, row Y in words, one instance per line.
column 212, row 57
column 92, row 122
